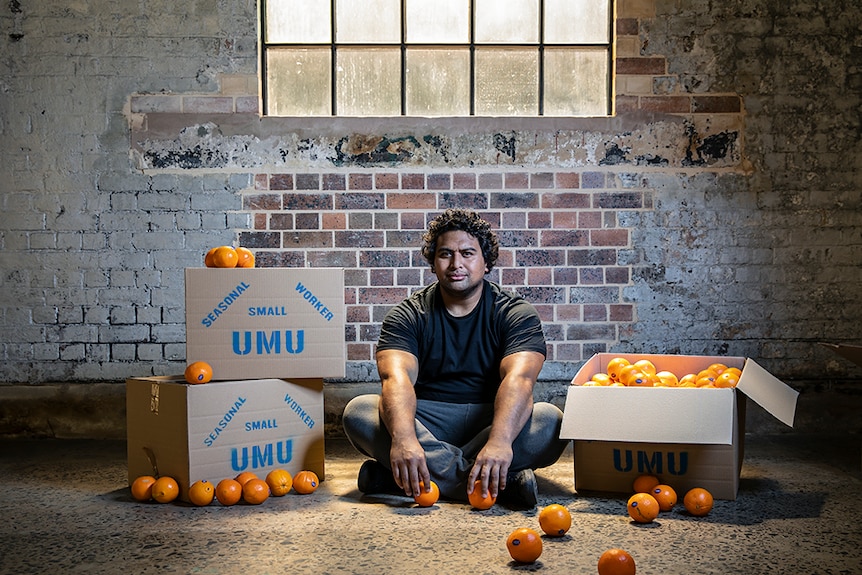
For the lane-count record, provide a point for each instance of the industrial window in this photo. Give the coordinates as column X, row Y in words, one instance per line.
column 436, row 57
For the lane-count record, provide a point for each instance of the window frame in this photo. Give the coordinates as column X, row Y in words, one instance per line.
column 403, row 46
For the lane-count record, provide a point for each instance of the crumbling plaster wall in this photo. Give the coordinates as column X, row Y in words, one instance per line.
column 738, row 123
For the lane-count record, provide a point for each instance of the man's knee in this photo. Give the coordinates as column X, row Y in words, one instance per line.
column 548, row 418
column 359, row 412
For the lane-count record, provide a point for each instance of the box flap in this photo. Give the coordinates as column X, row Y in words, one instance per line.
column 768, row 392
column 655, row 415
column 851, row 352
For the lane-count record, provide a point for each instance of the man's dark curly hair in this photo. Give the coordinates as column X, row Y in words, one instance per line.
column 466, row 221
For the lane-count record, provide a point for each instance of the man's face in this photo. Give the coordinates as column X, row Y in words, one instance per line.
column 458, row 263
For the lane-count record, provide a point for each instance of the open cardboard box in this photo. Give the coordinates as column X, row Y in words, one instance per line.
column 266, row 322
column 216, row 430
column 688, row 437
column 851, row 352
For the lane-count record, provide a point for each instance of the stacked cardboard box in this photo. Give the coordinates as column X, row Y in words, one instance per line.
column 271, row 335
column 688, row 437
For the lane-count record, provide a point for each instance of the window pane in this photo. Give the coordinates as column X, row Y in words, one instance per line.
column 517, row 22
column 368, row 21
column 507, row 82
column 577, row 21
column 368, row 82
column 298, row 21
column 438, row 82
column 298, row 81
column 576, row 82
column 438, row 22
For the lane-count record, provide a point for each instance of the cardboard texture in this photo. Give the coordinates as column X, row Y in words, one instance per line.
column 266, row 322
column 216, row 430
column 688, row 437
column 850, row 352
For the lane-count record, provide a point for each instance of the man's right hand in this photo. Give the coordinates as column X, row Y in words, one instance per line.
column 409, row 467
column 398, row 370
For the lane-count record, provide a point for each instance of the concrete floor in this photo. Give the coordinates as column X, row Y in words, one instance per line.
column 66, row 509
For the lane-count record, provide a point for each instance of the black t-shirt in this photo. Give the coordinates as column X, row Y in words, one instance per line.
column 459, row 357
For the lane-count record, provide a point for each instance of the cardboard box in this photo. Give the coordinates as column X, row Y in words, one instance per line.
column 218, row 429
column 850, row 352
column 688, row 437
column 266, row 322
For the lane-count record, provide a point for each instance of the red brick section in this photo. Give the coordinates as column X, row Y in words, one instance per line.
column 558, row 231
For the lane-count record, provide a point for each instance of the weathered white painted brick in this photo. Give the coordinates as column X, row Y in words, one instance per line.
column 46, row 351
column 188, row 221
column 168, row 332
column 75, row 352
column 175, row 351
column 123, row 315
column 43, row 240
column 124, row 352
column 149, row 352
column 123, row 333
column 44, row 314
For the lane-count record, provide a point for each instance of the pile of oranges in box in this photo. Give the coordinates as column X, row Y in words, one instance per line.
column 642, row 373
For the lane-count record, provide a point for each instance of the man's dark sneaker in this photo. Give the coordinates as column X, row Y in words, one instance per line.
column 521, row 491
column 374, row 478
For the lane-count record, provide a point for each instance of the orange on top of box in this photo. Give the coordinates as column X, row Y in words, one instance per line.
column 266, row 322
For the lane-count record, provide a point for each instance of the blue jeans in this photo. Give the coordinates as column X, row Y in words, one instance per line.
column 452, row 434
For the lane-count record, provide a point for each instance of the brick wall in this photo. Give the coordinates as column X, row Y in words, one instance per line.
column 718, row 212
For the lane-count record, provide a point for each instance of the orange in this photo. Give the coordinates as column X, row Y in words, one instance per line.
column 165, row 489
column 245, row 258
column 427, row 499
column 643, row 507
column 602, row 379
column 667, row 379
column 706, row 377
column 201, row 492
column 639, row 379
column 688, row 380
column 224, row 257
column 726, row 379
column 142, row 488
column 255, row 491
column 555, row 520
column 625, row 372
column 280, row 481
column 244, row 477
column 645, row 366
column 199, row 372
column 734, row 370
column 477, row 500
column 228, row 491
column 644, row 483
column 614, row 367
column 208, row 259
column 524, row 545
column 305, row 482
column 616, row 562
column 665, row 495
column 698, row 501
column 718, row 368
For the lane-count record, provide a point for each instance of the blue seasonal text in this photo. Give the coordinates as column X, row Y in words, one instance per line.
column 224, row 421
column 222, row 306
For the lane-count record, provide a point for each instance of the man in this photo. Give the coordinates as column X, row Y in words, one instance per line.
column 457, row 360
